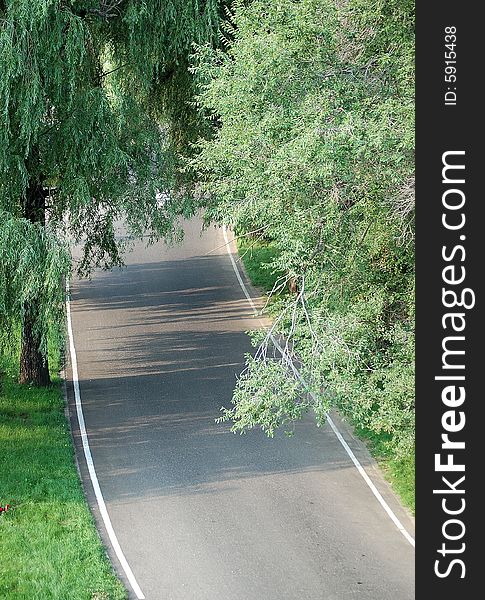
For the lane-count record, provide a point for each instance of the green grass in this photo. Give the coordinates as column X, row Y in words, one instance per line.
column 49, row 546
column 254, row 255
column 399, row 472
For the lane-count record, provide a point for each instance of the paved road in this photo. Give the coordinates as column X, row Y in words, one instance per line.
column 202, row 514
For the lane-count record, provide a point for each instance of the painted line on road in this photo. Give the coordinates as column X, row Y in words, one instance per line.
column 90, row 463
column 334, row 428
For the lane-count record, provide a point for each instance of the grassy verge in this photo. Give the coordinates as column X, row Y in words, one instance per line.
column 255, row 255
column 399, row 472
column 48, row 543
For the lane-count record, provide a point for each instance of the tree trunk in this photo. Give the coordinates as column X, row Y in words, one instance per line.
column 34, row 366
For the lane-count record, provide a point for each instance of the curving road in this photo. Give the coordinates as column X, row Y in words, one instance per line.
column 199, row 513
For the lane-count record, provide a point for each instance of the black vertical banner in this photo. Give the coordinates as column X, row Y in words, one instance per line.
column 449, row 257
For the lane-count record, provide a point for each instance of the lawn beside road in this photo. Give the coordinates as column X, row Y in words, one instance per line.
column 49, row 546
column 400, row 472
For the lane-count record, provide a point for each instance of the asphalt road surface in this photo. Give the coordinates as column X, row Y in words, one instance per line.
column 201, row 513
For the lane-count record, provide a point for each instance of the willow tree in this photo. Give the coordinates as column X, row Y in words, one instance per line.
column 83, row 143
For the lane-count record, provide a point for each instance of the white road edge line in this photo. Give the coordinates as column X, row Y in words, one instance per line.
column 90, row 463
column 334, row 428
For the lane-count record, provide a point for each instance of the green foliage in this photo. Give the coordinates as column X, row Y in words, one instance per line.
column 313, row 141
column 82, row 123
column 265, row 396
column 34, row 261
column 153, row 41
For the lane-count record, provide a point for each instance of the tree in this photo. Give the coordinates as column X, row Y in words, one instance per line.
column 83, row 143
column 314, row 149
